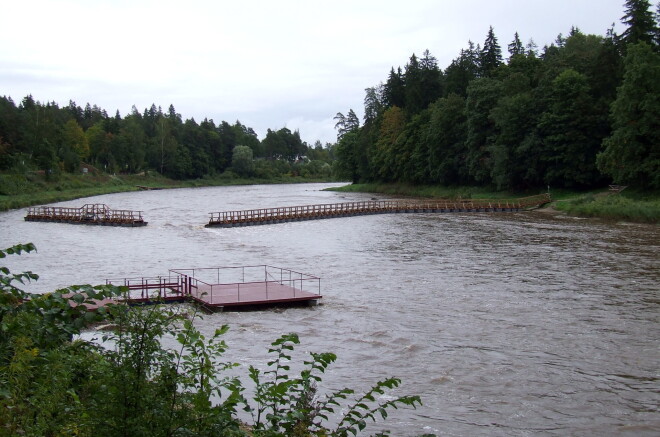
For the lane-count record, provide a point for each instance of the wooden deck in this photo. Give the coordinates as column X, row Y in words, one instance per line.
column 89, row 214
column 218, row 288
column 312, row 212
column 253, row 294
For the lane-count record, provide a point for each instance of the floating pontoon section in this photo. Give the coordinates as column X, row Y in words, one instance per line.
column 312, row 212
column 89, row 214
column 217, row 288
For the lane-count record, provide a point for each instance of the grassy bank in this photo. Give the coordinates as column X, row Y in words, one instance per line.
column 431, row 191
column 22, row 190
column 634, row 207
column 629, row 205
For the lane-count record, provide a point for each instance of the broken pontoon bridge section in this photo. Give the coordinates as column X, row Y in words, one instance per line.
column 312, row 212
column 218, row 288
column 89, row 214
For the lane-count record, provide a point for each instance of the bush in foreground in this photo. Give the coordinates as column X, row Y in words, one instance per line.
column 127, row 383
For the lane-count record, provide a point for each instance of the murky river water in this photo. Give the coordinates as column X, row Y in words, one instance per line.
column 505, row 324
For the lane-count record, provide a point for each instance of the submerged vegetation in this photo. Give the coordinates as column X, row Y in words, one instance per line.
column 126, row 382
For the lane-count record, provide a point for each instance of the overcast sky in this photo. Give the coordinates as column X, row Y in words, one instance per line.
column 268, row 63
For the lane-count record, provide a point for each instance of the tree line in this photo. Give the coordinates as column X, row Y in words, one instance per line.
column 45, row 136
column 578, row 113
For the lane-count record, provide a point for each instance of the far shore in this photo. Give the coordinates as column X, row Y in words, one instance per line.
column 635, row 206
column 35, row 189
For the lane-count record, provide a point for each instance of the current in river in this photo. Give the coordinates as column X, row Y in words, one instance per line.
column 506, row 324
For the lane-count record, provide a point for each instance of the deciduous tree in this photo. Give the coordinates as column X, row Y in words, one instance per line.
column 74, row 137
column 631, row 154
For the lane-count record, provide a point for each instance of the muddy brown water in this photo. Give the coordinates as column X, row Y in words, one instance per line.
column 504, row 323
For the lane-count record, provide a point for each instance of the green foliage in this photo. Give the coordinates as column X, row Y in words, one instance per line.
column 283, row 144
column 642, row 26
column 631, row 154
column 483, row 95
column 613, row 207
column 127, row 383
column 540, row 119
column 571, row 132
column 242, row 162
column 491, row 54
column 347, row 152
column 40, row 368
column 74, row 137
column 37, row 136
column 287, row 405
column 445, row 136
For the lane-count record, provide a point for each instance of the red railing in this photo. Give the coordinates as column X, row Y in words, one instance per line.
column 208, row 284
column 157, row 287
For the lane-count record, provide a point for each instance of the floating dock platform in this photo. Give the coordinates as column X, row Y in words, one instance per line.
column 89, row 214
column 285, row 214
column 220, row 288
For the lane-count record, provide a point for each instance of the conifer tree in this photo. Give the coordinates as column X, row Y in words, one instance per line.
column 373, row 102
column 516, row 47
column 491, row 54
column 431, row 78
column 414, row 90
column 640, row 21
column 394, row 92
column 462, row 71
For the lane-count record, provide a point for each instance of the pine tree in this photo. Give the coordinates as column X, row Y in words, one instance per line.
column 640, row 21
column 491, row 54
column 346, row 123
column 373, row 102
column 414, row 92
column 516, row 47
column 394, row 93
column 462, row 71
column 531, row 49
column 431, row 78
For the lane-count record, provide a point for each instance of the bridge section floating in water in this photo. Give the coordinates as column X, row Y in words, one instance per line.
column 311, row 212
column 89, row 214
column 219, row 288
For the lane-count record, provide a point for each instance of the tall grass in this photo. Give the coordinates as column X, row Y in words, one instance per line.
column 614, row 207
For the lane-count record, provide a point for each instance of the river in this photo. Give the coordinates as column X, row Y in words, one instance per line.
column 516, row 324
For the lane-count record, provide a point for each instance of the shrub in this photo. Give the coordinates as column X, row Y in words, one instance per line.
column 127, row 383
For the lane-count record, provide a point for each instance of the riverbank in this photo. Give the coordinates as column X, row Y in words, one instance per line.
column 35, row 188
column 628, row 205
